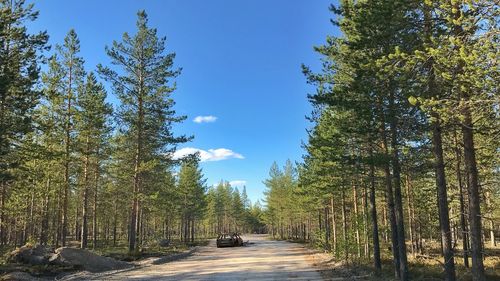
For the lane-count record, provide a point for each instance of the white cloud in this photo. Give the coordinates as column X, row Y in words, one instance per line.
column 237, row 183
column 208, row 155
column 204, row 119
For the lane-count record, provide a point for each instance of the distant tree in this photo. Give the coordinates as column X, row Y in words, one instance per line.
column 191, row 189
column 237, row 210
column 247, row 204
column 93, row 130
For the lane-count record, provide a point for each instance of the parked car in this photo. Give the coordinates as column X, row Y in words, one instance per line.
column 229, row 240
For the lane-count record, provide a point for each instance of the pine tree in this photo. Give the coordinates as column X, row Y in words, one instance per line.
column 238, row 210
column 92, row 130
column 63, row 80
column 20, row 54
column 244, row 198
column 191, row 189
column 146, row 112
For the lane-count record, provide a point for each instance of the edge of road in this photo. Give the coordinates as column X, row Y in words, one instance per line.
column 86, row 275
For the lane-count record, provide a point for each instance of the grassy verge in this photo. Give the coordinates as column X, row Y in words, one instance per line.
column 421, row 267
column 120, row 251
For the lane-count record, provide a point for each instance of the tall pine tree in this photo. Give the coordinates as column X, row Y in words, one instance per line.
column 143, row 83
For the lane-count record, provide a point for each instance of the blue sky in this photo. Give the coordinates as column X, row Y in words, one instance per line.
column 241, row 64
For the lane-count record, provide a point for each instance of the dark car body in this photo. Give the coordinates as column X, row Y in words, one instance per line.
column 229, row 240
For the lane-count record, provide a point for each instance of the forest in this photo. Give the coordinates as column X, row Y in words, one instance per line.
column 78, row 171
column 401, row 168
column 402, row 159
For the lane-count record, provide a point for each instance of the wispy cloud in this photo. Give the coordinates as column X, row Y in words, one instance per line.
column 204, row 119
column 208, row 155
column 237, row 183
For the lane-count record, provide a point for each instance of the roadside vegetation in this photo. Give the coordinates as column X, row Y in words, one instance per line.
column 401, row 163
column 77, row 171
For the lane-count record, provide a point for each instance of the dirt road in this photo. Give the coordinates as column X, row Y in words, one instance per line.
column 262, row 259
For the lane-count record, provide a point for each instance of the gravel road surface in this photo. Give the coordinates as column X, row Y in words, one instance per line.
column 262, row 259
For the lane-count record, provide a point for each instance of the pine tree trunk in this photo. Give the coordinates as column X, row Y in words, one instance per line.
column 140, row 225
column 334, row 226
column 59, row 215
column 389, row 194
column 411, row 230
column 115, row 224
column 471, row 168
column 444, row 219
column 94, row 208
column 355, row 220
column 44, row 229
column 3, row 187
column 327, row 230
column 77, row 221
column 492, row 225
column 474, row 198
column 344, row 228
column 384, row 221
column 364, row 209
column 137, row 180
column 192, row 230
column 24, row 235
column 3, row 141
column 398, row 202
column 85, row 229
column 31, row 232
column 186, row 229
column 67, row 160
column 437, row 149
column 373, row 210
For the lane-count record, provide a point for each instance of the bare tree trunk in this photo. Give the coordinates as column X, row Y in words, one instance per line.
column 389, row 194
column 373, row 210
column 398, row 203
column 94, row 209
column 115, row 223
column 24, row 235
column 410, row 220
column 59, row 216
column 364, row 209
column 384, row 221
column 77, row 219
column 492, row 225
column 140, row 225
column 344, row 228
column 3, row 187
column 474, row 199
column 327, row 230
column 86, row 164
column 134, row 226
column 31, row 225
column 192, row 230
column 45, row 216
column 334, row 226
column 444, row 219
column 356, row 224
column 186, row 228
